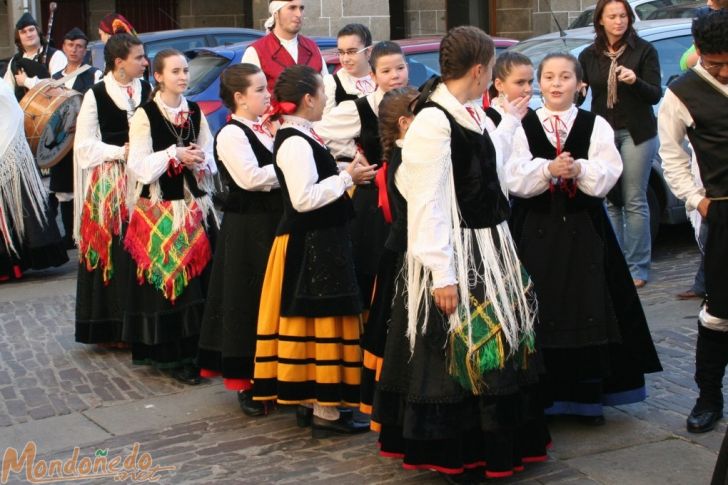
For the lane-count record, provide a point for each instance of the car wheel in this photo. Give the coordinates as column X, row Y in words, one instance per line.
column 655, row 212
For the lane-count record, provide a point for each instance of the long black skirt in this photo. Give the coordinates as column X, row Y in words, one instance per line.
column 161, row 333
column 100, row 305
column 41, row 246
column 374, row 338
column 369, row 232
column 230, row 320
column 431, row 422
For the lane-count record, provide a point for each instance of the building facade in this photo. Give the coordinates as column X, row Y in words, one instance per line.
column 386, row 18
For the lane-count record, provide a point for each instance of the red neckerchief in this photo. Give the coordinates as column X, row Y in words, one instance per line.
column 473, row 114
column 316, row 136
column 555, row 126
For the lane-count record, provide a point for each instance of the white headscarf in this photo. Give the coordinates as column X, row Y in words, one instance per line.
column 273, row 7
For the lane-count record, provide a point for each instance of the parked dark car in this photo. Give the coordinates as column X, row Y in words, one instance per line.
column 182, row 40
column 206, row 64
column 671, row 38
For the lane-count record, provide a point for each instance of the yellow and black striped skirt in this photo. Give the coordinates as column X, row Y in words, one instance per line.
column 304, row 359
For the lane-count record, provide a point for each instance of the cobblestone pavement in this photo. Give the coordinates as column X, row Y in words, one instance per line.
column 45, row 377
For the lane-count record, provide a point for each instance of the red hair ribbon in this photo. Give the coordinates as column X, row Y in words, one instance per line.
column 279, row 108
column 381, row 181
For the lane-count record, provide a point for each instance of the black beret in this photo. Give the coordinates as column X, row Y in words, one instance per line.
column 75, row 34
column 24, row 21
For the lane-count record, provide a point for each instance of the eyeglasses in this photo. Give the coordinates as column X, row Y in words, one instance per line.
column 713, row 67
column 351, row 52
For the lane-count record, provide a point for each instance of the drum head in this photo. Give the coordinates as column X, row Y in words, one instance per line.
column 56, row 139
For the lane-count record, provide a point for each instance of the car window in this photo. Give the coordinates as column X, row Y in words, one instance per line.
column 423, row 66
column 182, row 44
column 670, row 51
column 227, row 39
column 583, row 20
column 204, row 69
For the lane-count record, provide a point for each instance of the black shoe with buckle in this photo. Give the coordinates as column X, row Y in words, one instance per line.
column 250, row 407
column 188, row 374
column 702, row 421
column 323, row 428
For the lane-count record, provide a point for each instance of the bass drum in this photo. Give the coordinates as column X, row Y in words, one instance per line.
column 50, row 121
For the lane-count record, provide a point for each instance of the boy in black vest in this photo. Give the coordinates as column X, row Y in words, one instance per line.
column 34, row 60
column 83, row 77
column 695, row 105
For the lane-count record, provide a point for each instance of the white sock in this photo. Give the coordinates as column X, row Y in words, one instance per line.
column 329, row 413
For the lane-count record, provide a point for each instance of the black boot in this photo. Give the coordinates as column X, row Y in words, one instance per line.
column 188, row 374
column 711, row 356
column 67, row 218
column 250, row 407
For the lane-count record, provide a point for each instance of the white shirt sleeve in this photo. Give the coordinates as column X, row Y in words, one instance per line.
column 235, row 152
column 205, row 140
column 330, row 90
column 57, row 63
column 295, row 159
column 502, row 136
column 9, row 78
column 250, row 56
column 339, row 127
column 673, row 121
column 88, row 149
column 426, row 157
column 602, row 169
column 526, row 176
column 146, row 164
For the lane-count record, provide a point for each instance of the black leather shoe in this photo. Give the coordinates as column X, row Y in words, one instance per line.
column 252, row 408
column 703, row 421
column 188, row 374
column 323, row 428
column 304, row 416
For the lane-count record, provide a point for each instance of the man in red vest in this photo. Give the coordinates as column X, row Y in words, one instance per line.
column 283, row 46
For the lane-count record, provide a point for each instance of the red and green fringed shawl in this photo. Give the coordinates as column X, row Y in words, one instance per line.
column 167, row 258
column 103, row 211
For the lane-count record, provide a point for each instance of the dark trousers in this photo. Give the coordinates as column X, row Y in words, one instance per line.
column 720, row 474
column 711, row 358
column 716, row 259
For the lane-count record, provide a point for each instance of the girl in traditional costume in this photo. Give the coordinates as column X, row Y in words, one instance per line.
column 170, row 227
column 353, row 127
column 592, row 331
column 101, row 147
column 395, row 116
column 455, row 391
column 254, row 205
column 354, row 79
column 29, row 236
column 310, row 310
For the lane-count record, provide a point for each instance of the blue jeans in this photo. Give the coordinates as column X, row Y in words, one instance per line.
column 632, row 221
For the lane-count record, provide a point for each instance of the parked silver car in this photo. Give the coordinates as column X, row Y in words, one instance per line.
column 642, row 9
column 671, row 38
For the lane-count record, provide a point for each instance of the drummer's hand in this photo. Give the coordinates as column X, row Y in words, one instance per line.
column 20, row 77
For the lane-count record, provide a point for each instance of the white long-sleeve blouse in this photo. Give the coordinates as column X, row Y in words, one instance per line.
column 236, row 153
column 528, row 176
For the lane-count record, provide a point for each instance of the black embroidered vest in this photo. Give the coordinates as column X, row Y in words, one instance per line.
column 576, row 143
column 32, row 67
column 369, row 136
column 171, row 185
column 477, row 188
column 113, row 122
column 83, row 81
column 494, row 115
column 337, row 213
column 709, row 134
column 243, row 201
column 340, row 94
column 397, row 239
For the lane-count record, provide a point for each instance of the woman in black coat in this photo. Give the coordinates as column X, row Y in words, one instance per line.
column 623, row 72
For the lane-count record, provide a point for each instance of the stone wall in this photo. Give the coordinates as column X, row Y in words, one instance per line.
column 326, row 17
column 425, row 17
column 565, row 12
